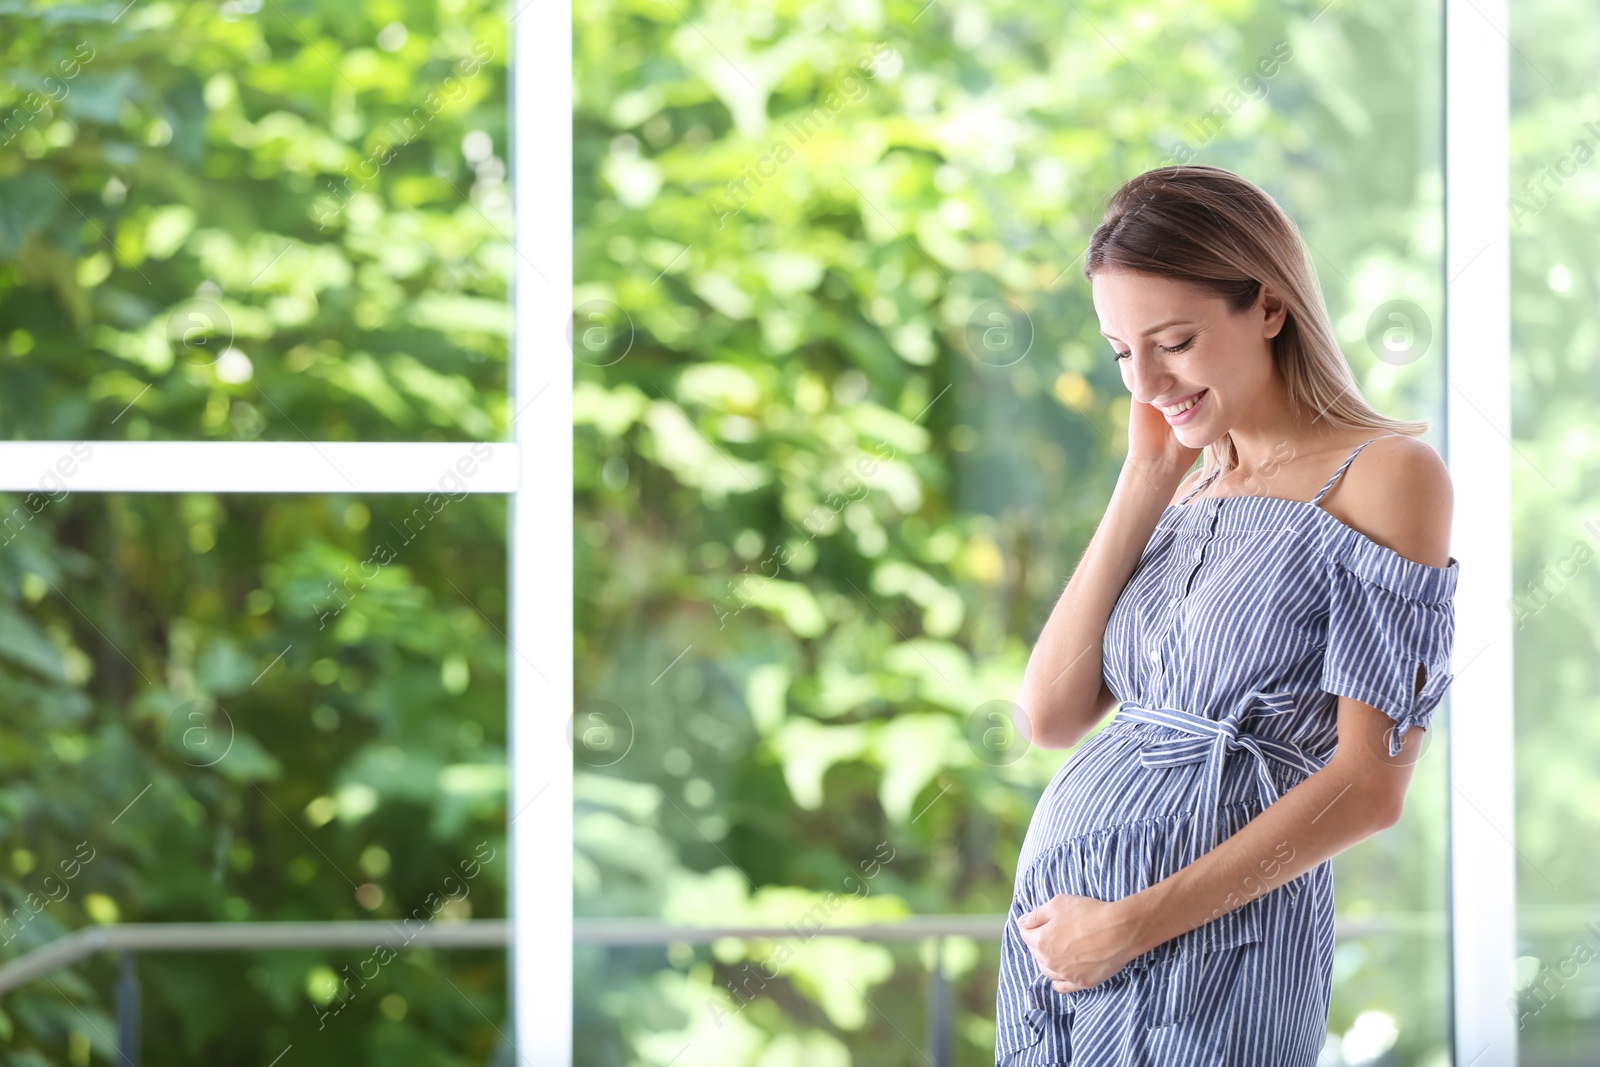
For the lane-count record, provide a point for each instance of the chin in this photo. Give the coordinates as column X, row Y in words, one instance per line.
column 1205, row 430
column 1196, row 436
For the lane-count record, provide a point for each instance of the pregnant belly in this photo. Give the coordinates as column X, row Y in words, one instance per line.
column 1108, row 827
column 1127, row 824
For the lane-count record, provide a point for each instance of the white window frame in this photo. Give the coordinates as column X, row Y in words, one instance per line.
column 1482, row 765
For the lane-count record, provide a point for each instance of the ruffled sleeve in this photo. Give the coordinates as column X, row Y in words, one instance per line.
column 1388, row 616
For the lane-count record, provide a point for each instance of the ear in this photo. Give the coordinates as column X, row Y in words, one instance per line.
column 1275, row 311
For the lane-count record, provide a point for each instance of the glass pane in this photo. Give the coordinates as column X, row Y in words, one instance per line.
column 821, row 521
column 1554, row 270
column 243, row 709
column 248, row 221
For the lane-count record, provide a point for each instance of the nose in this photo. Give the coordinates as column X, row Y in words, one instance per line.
column 1143, row 375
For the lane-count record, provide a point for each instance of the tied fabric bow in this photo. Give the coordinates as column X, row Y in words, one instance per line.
column 1209, row 742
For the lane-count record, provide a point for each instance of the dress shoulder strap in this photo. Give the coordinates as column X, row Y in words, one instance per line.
column 1317, row 500
column 1201, row 484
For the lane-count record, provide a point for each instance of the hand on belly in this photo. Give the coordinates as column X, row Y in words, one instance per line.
column 1079, row 942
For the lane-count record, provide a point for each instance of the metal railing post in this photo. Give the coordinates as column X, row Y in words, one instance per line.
column 939, row 1046
column 128, row 1013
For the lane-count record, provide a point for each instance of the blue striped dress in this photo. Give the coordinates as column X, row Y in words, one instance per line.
column 1243, row 621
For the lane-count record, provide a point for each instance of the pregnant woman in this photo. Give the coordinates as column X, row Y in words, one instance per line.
column 1276, row 628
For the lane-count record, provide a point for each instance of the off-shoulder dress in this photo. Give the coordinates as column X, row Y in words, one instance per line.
column 1244, row 620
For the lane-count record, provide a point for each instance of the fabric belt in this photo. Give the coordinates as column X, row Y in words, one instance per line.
column 1209, row 741
column 1181, row 980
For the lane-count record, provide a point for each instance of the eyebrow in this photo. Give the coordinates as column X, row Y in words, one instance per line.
column 1157, row 328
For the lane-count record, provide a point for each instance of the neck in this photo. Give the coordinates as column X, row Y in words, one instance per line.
column 1273, row 431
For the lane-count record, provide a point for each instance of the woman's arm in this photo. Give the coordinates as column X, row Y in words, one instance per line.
column 1079, row 942
column 1359, row 793
column 1063, row 688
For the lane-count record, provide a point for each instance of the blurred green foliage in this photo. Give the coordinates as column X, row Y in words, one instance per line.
column 285, row 224
column 1555, row 594
column 845, row 423
column 248, row 221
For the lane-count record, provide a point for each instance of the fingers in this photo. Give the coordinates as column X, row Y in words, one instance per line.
column 1048, row 971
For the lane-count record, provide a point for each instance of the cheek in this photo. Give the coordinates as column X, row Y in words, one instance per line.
column 1240, row 360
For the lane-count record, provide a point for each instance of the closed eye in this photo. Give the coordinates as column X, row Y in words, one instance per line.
column 1173, row 350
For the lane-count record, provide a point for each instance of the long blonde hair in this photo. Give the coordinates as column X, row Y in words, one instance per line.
column 1226, row 236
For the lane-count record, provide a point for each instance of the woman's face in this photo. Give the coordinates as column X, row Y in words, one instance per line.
column 1182, row 344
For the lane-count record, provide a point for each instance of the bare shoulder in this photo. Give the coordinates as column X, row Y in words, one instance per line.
column 1398, row 493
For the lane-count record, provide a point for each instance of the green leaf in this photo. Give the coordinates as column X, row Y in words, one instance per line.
column 26, row 645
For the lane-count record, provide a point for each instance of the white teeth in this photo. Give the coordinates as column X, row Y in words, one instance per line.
column 1185, row 406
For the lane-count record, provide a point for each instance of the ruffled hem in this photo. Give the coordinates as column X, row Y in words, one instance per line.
column 1388, row 569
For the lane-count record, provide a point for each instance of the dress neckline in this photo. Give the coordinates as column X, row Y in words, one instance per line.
column 1368, row 545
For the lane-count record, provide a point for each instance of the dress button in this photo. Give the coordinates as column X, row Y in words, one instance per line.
column 1155, row 654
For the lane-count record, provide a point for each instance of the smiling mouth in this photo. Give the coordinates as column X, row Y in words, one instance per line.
column 1183, row 405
